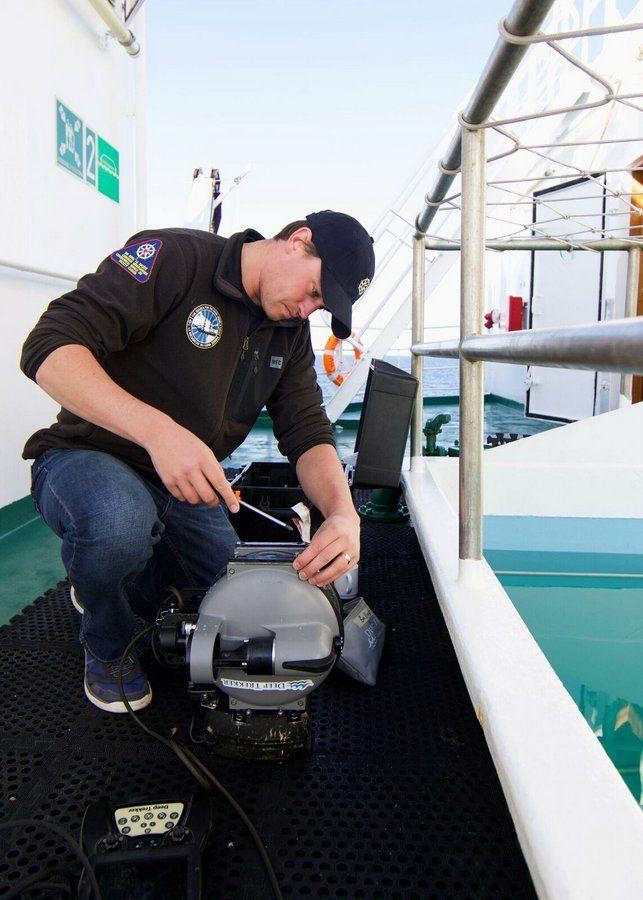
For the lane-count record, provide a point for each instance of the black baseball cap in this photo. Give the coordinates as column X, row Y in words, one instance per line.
column 348, row 264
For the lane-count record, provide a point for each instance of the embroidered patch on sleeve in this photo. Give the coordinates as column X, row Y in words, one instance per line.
column 138, row 259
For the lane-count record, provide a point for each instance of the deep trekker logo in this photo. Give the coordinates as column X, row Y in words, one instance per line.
column 301, row 685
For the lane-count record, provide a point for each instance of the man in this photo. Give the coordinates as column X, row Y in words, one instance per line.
column 162, row 361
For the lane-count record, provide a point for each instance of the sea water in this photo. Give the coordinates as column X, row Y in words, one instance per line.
column 441, row 378
column 590, row 628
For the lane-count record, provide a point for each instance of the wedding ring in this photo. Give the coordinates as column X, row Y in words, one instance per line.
column 348, row 559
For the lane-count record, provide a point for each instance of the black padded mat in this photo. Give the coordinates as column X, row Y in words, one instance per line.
column 398, row 799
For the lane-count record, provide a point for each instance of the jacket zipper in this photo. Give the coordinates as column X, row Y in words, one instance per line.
column 253, row 368
column 245, row 346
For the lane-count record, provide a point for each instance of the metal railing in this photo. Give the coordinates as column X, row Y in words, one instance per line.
column 614, row 346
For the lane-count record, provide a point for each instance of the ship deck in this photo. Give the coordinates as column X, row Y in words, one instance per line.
column 398, row 798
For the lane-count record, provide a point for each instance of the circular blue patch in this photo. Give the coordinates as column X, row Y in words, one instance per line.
column 204, row 326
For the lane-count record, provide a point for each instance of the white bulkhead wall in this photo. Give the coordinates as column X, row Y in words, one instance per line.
column 49, row 218
column 509, row 273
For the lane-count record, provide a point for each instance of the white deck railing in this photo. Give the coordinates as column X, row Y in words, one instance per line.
column 578, row 825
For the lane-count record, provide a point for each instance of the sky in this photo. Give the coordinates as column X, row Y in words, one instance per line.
column 333, row 104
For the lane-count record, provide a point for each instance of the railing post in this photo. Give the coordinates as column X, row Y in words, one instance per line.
column 417, row 335
column 472, row 298
column 631, row 304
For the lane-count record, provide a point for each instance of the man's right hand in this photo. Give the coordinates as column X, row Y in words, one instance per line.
column 188, row 468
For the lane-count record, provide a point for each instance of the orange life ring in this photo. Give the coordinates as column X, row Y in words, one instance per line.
column 334, row 361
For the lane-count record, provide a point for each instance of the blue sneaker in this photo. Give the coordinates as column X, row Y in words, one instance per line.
column 101, row 683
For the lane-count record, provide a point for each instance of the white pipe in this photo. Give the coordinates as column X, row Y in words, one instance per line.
column 122, row 34
column 472, row 298
column 631, row 305
column 32, row 270
column 418, row 299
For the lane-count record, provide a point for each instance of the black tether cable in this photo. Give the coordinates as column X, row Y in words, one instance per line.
column 194, row 765
column 60, row 831
column 35, row 881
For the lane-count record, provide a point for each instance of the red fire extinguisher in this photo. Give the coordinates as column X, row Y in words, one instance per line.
column 514, row 316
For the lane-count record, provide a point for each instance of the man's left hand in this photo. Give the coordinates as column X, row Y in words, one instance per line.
column 333, row 550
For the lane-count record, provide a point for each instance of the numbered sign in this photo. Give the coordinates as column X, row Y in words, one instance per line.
column 83, row 152
column 91, row 155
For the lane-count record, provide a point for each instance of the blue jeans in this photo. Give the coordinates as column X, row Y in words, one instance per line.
column 124, row 540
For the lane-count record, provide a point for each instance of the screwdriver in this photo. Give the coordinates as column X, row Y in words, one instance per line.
column 262, row 513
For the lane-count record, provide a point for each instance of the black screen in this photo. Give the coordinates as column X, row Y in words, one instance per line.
column 148, row 879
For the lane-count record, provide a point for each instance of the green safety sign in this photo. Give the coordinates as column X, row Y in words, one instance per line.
column 69, row 139
column 87, row 155
column 108, row 171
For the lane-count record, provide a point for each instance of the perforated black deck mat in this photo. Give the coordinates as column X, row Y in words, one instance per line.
column 399, row 797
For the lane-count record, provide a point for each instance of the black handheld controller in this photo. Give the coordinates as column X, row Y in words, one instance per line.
column 148, row 849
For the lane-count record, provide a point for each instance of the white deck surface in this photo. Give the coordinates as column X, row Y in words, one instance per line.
column 579, row 827
column 593, row 467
